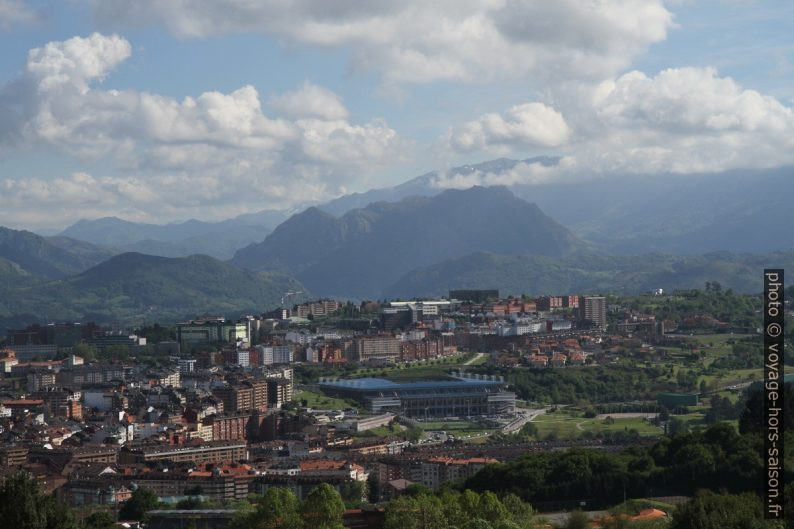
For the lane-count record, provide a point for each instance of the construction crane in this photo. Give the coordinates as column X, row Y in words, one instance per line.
column 290, row 294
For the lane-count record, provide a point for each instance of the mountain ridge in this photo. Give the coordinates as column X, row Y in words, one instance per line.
column 131, row 287
column 362, row 251
column 589, row 273
column 48, row 257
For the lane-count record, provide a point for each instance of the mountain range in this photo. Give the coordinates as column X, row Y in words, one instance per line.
column 589, row 273
column 736, row 211
column 623, row 234
column 359, row 253
column 217, row 239
column 50, row 257
column 133, row 287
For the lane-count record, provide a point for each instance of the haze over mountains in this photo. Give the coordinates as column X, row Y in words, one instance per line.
column 737, row 211
column 364, row 250
column 55, row 257
column 415, row 239
column 217, row 239
column 134, row 287
column 621, row 274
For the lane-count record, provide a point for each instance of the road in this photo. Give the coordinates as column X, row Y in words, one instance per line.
column 473, row 359
column 524, row 417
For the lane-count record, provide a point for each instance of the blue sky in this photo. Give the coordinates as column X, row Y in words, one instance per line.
column 103, row 113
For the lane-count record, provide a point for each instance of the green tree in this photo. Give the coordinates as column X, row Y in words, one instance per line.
column 470, row 503
column 491, row 509
column 277, row 509
column 353, row 493
column 453, row 512
column 23, row 507
column 719, row 511
column 413, row 434
column 577, row 520
column 142, row 501
column 373, row 488
column 521, row 513
column 323, row 508
column 99, row 520
column 86, row 351
column 419, row 512
column 478, row 523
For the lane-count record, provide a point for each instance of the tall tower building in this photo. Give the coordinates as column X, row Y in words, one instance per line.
column 594, row 309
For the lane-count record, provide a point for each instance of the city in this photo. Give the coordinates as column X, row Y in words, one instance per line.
column 481, row 264
column 372, row 399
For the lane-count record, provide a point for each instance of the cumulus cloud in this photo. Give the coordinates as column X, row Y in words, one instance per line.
column 686, row 120
column 15, row 12
column 310, row 101
column 524, row 173
column 422, row 41
column 682, row 120
column 522, row 126
column 211, row 150
column 76, row 61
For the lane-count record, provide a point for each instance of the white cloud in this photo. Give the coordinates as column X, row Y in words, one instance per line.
column 213, row 150
column 686, row 120
column 14, row 13
column 521, row 174
column 76, row 61
column 310, row 101
column 683, row 120
column 522, row 126
column 421, row 41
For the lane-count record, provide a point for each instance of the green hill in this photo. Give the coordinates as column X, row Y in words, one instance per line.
column 54, row 257
column 135, row 287
column 586, row 273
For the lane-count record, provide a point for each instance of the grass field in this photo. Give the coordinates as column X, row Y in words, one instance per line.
column 422, row 370
column 383, row 431
column 322, row 402
column 565, row 425
column 456, row 428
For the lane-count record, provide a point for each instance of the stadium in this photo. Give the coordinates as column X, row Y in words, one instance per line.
column 455, row 397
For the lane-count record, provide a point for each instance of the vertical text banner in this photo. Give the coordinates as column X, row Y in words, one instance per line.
column 773, row 393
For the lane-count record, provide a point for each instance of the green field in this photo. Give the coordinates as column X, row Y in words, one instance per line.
column 383, row 431
column 319, row 401
column 435, row 368
column 564, row 425
column 457, row 428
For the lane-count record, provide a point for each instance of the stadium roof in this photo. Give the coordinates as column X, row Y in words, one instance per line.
column 376, row 384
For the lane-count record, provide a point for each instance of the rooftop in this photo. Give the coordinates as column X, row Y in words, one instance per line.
column 376, row 384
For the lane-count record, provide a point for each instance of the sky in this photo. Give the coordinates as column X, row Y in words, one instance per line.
column 164, row 110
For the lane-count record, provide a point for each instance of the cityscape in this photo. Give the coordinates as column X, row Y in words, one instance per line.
column 415, row 265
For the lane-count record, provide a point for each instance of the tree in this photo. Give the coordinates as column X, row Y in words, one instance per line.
column 470, row 503
column 420, row 512
column 23, row 507
column 278, row 509
column 491, row 509
column 86, row 351
column 521, row 513
column 373, row 488
column 453, row 512
column 413, row 434
column 323, row 508
column 719, row 511
column 477, row 523
column 577, row 520
column 99, row 520
column 142, row 501
column 353, row 493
